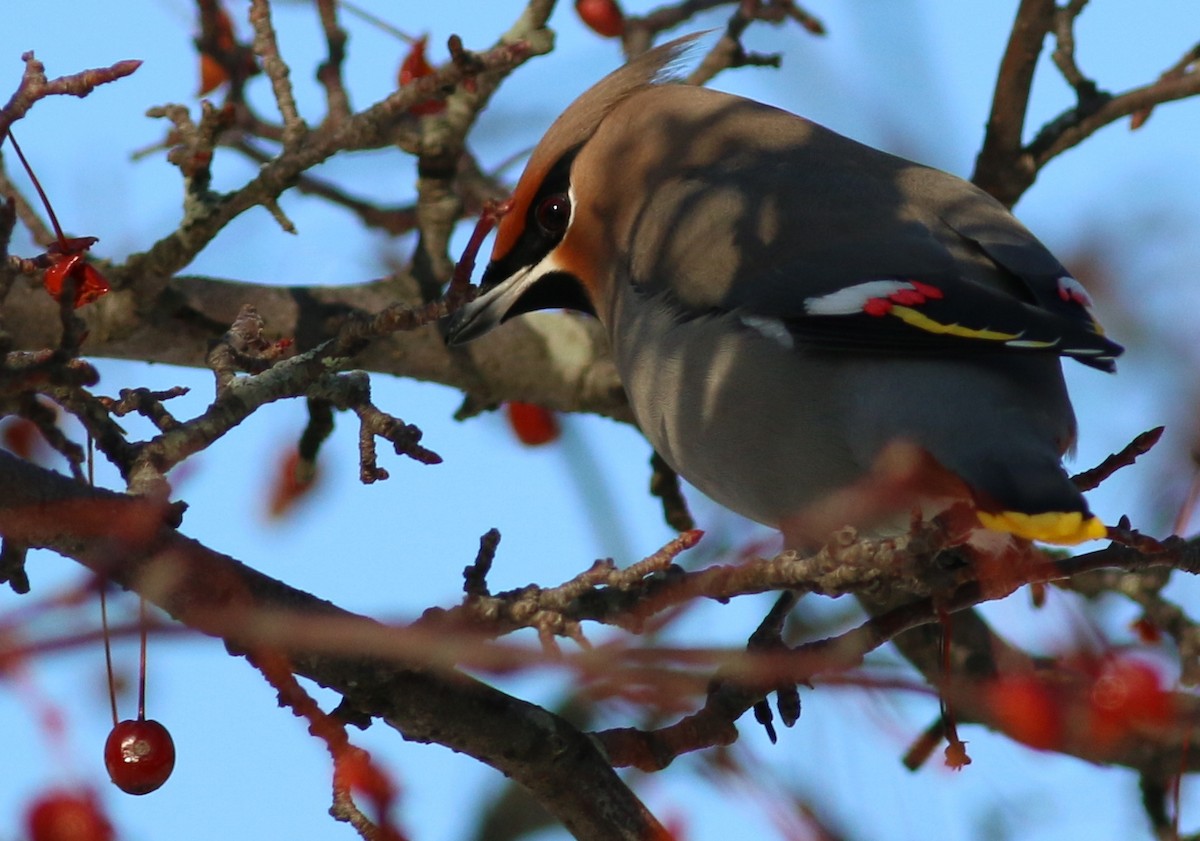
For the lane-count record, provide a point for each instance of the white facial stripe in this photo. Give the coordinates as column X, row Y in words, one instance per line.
column 850, row 300
column 548, row 265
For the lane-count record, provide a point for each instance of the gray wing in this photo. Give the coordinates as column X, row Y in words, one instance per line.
column 854, row 248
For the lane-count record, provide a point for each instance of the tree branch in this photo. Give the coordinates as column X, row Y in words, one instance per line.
column 125, row 540
column 997, row 168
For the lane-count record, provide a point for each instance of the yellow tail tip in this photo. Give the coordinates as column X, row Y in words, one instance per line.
column 1063, row 527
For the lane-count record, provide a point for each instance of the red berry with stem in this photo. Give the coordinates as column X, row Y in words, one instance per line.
column 62, row 815
column 140, row 755
column 67, row 257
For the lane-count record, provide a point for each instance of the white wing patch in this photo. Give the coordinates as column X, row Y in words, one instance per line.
column 850, row 300
column 772, row 328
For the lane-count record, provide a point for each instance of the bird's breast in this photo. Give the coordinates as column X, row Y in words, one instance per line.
column 749, row 422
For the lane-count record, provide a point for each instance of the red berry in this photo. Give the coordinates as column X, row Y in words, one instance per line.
column 604, row 17
column 89, row 283
column 139, row 755
column 533, row 425
column 19, row 437
column 60, row 815
column 1027, row 709
column 1146, row 630
column 1127, row 695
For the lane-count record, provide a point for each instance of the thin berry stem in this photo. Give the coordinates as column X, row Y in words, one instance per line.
column 377, row 22
column 142, row 660
column 108, row 662
column 37, row 185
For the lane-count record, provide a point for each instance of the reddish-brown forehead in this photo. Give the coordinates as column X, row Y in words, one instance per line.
column 512, row 225
column 575, row 125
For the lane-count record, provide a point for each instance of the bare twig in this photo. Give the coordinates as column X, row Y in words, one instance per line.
column 1073, row 127
column 1006, row 168
column 1139, row 446
column 1176, row 71
column 147, row 403
column 475, row 576
column 367, row 129
column 34, row 86
column 329, row 73
column 1064, row 53
column 392, row 220
column 664, row 484
column 999, row 156
column 267, row 49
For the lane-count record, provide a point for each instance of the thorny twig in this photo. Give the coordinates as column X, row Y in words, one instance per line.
column 267, row 49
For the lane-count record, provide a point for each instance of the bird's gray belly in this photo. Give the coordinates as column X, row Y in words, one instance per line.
column 735, row 415
column 767, row 430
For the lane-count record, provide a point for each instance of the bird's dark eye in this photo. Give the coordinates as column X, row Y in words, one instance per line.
column 553, row 213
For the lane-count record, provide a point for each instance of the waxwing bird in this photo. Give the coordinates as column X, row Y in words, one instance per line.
column 786, row 306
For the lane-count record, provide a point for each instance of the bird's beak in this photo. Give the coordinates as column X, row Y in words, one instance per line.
column 490, row 309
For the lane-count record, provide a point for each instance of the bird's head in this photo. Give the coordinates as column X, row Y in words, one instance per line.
column 548, row 253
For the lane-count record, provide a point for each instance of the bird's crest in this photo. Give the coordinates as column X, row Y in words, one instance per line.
column 580, row 120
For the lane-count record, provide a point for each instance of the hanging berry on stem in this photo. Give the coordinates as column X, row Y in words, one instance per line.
column 139, row 754
column 67, row 268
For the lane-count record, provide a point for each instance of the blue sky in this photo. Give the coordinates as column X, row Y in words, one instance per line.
column 913, row 77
